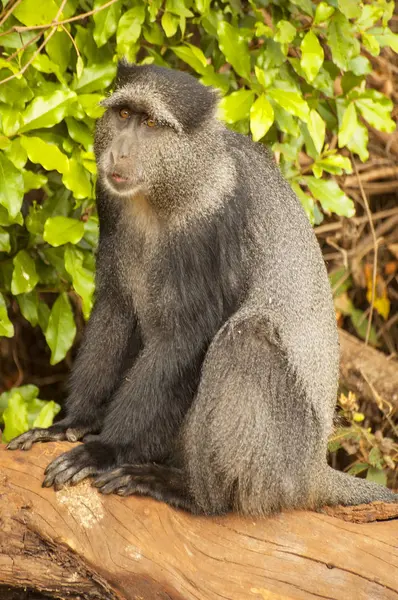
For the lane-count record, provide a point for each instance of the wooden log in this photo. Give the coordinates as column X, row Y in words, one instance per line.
column 368, row 372
column 77, row 544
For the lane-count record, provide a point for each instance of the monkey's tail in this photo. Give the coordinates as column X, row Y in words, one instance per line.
column 339, row 488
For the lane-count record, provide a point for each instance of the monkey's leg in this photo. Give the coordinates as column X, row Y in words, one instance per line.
column 251, row 439
column 161, row 482
column 95, row 373
column 142, row 420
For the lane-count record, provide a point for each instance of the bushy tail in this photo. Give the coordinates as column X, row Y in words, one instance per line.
column 340, row 488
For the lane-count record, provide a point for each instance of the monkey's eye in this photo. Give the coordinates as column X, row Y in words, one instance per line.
column 150, row 122
column 124, row 113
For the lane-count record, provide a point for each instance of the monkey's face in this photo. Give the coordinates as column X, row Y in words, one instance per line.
column 150, row 139
column 130, row 146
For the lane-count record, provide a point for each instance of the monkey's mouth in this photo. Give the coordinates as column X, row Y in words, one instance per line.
column 119, row 178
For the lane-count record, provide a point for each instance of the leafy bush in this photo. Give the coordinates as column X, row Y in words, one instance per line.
column 293, row 74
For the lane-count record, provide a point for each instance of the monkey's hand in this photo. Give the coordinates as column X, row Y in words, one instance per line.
column 71, row 467
column 63, row 430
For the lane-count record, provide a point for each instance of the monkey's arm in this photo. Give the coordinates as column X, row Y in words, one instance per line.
column 142, row 420
column 94, row 375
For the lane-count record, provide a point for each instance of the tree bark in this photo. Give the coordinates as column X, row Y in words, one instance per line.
column 368, row 372
column 77, row 544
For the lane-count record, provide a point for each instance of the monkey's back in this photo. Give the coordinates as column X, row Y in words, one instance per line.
column 287, row 278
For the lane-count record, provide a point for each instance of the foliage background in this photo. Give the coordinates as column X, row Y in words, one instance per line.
column 292, row 74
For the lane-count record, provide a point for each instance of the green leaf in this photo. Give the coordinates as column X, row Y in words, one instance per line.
column 311, row 55
column 330, row 196
column 385, row 37
column 106, row 21
column 192, row 55
column 350, row 8
column 130, row 25
column 61, row 230
column 47, row 111
column 27, row 392
column 375, row 457
column 80, row 133
column 170, row 24
column 360, row 322
column 43, row 64
column 342, row 41
column 24, row 276
column 285, row 32
column 5, row 245
column 82, row 278
column 17, row 154
column 96, row 77
column 236, row 106
column 317, row 128
column 360, row 65
column 154, row 35
column 77, row 180
column 371, row 44
column 90, row 103
column 358, row 468
column 376, row 475
column 292, row 102
column 11, row 186
column 15, row 417
column 178, row 8
column 33, row 181
column 261, row 117
column 28, row 305
column 349, row 123
column 47, row 414
column 335, row 163
column 45, row 154
column 304, row 5
column 59, row 48
column 358, row 142
column 11, row 120
column 306, row 200
column 376, row 110
column 6, row 327
column 30, row 12
column 323, row 12
column 61, row 329
column 234, row 47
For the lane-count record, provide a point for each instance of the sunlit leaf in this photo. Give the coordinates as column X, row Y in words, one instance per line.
column 234, row 47
column 236, row 106
column 61, row 230
column 311, row 55
column 24, row 276
column 6, row 327
column 330, row 196
column 61, row 329
column 11, row 186
column 261, row 117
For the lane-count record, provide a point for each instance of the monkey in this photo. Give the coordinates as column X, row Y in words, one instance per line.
column 208, row 372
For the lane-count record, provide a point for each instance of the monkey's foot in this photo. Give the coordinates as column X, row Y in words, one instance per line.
column 77, row 464
column 164, row 483
column 56, row 433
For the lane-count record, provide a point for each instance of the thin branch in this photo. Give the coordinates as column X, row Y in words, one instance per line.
column 375, row 247
column 356, row 220
column 55, row 23
column 72, row 40
column 31, row 41
column 40, row 48
column 8, row 13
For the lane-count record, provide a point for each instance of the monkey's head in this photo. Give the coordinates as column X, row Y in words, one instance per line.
column 151, row 137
